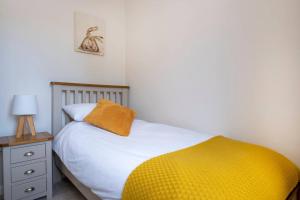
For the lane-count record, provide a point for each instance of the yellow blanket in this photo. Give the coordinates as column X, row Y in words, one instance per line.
column 219, row 168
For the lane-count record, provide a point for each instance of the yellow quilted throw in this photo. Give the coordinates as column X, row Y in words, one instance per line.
column 218, row 169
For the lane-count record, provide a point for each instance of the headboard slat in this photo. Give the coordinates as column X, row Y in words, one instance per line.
column 76, row 96
column 85, row 97
column 70, row 93
column 118, row 100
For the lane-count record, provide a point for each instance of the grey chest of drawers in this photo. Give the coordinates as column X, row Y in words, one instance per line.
column 27, row 166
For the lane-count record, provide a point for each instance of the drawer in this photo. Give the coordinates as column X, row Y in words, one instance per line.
column 28, row 189
column 27, row 153
column 28, row 171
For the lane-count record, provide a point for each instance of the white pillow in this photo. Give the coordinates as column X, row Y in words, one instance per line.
column 79, row 111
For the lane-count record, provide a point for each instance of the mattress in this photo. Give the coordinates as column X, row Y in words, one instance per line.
column 102, row 161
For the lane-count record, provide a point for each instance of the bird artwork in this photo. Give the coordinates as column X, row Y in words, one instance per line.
column 88, row 34
column 90, row 42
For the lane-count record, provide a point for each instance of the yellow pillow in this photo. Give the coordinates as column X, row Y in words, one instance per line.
column 111, row 117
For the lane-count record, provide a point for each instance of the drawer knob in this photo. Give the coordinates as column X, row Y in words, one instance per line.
column 28, row 154
column 28, row 190
column 28, row 172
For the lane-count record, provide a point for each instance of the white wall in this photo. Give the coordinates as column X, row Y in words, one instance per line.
column 36, row 46
column 225, row 66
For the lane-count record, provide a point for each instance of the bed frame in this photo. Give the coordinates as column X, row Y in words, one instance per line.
column 70, row 93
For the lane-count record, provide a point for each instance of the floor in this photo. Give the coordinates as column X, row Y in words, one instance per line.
column 64, row 190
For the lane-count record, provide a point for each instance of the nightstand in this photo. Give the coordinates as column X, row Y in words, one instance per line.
column 27, row 166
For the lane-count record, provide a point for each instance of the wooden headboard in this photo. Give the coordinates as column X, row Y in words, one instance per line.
column 71, row 93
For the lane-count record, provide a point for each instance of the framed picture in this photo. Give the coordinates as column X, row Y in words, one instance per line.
column 88, row 34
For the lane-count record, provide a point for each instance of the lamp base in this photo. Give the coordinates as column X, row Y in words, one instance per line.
column 22, row 126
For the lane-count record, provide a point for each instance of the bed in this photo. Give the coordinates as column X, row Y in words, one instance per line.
column 97, row 162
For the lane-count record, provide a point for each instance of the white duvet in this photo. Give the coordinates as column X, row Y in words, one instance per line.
column 103, row 161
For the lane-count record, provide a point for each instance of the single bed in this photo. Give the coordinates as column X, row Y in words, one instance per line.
column 97, row 162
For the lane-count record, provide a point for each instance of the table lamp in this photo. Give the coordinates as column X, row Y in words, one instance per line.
column 24, row 106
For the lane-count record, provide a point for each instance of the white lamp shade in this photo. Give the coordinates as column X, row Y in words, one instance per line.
column 24, row 105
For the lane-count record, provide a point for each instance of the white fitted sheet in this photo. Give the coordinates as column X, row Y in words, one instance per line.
column 103, row 161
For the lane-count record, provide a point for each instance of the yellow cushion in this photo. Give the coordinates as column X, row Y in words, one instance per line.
column 111, row 117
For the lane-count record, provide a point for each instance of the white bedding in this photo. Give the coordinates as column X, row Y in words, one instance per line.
column 103, row 161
